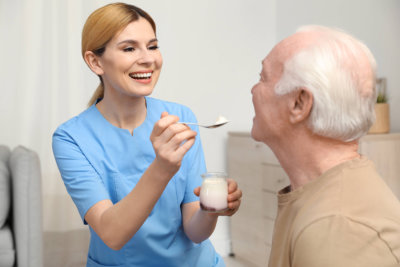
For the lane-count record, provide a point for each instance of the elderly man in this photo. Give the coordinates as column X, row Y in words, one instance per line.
column 314, row 100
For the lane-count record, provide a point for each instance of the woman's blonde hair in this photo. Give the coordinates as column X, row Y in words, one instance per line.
column 102, row 25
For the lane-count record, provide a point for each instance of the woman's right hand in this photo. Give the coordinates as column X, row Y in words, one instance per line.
column 171, row 141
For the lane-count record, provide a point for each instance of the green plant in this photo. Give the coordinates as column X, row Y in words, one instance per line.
column 381, row 98
column 381, row 90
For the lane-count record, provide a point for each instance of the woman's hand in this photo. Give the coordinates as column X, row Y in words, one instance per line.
column 234, row 198
column 171, row 141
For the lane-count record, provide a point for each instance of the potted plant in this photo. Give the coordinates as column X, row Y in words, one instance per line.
column 382, row 122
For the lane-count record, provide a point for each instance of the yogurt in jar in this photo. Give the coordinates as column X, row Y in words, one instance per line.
column 214, row 192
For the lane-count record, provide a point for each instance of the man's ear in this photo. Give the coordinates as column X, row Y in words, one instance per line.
column 93, row 61
column 300, row 105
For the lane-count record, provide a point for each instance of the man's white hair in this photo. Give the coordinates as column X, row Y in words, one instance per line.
column 343, row 86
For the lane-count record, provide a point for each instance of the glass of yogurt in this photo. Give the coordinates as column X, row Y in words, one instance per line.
column 214, row 192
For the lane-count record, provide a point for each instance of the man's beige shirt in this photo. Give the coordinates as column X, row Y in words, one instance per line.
column 348, row 217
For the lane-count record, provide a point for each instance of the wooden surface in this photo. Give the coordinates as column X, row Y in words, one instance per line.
column 384, row 151
column 249, row 163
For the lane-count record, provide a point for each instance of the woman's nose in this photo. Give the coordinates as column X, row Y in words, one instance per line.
column 146, row 57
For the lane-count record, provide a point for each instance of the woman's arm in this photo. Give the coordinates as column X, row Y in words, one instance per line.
column 116, row 224
column 198, row 224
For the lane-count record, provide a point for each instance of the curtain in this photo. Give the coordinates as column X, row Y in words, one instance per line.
column 44, row 82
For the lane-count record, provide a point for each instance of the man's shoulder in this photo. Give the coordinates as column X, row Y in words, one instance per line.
column 355, row 191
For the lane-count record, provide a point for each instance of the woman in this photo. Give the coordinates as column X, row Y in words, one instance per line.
column 131, row 169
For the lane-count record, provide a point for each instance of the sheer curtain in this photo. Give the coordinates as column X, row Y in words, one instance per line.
column 43, row 83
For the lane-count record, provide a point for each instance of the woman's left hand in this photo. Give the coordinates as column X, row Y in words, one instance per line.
column 234, row 197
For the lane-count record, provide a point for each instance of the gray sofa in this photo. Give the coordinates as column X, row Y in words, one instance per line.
column 20, row 208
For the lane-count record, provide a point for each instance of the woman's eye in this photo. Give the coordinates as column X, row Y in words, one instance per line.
column 128, row 49
column 154, row 47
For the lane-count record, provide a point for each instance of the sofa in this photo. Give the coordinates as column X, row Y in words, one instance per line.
column 20, row 208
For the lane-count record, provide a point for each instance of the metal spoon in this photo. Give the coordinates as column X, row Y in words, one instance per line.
column 219, row 122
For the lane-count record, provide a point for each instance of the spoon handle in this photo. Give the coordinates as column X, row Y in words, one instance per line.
column 190, row 123
column 212, row 126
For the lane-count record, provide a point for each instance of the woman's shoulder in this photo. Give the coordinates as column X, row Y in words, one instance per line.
column 75, row 122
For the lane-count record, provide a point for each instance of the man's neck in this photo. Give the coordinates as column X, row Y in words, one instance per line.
column 305, row 159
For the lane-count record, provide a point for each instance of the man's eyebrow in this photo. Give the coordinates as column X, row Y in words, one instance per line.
column 131, row 41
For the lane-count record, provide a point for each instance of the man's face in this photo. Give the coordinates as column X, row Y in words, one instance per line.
column 269, row 107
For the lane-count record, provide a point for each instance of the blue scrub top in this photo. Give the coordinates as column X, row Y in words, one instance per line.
column 99, row 161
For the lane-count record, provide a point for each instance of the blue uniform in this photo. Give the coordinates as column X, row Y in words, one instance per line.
column 99, row 161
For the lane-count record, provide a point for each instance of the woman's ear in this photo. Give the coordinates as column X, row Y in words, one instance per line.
column 300, row 105
column 93, row 61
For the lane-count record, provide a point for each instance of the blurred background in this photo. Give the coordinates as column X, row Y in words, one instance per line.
column 212, row 54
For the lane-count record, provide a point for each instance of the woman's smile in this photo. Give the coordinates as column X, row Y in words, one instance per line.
column 141, row 76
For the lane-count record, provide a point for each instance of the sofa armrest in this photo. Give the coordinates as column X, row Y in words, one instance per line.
column 27, row 206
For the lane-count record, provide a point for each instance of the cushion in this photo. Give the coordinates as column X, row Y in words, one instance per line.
column 27, row 206
column 4, row 153
column 7, row 251
column 5, row 193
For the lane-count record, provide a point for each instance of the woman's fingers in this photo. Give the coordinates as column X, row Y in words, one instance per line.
column 196, row 191
column 176, row 133
column 171, row 141
column 181, row 151
column 234, row 193
column 162, row 124
column 234, row 197
column 232, row 185
column 234, row 205
column 175, row 148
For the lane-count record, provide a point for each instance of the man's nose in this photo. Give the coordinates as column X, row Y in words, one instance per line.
column 252, row 89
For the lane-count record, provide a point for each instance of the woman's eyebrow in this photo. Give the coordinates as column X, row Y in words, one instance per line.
column 134, row 42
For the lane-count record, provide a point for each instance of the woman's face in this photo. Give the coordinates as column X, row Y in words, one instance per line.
column 132, row 62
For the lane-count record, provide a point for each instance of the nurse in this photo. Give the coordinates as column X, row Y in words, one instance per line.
column 130, row 168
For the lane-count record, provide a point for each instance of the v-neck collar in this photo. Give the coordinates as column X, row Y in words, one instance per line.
column 125, row 131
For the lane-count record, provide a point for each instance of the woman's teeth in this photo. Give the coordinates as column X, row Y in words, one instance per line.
column 140, row 76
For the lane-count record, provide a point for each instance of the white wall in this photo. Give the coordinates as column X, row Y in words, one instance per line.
column 375, row 22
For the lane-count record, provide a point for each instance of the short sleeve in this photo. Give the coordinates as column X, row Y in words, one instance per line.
column 338, row 241
column 195, row 164
column 83, row 183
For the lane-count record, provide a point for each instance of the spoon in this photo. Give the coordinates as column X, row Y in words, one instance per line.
column 219, row 122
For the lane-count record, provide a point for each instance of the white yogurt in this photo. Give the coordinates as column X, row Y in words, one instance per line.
column 221, row 119
column 214, row 194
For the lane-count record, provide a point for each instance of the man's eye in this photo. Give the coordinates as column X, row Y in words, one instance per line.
column 154, row 47
column 128, row 49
